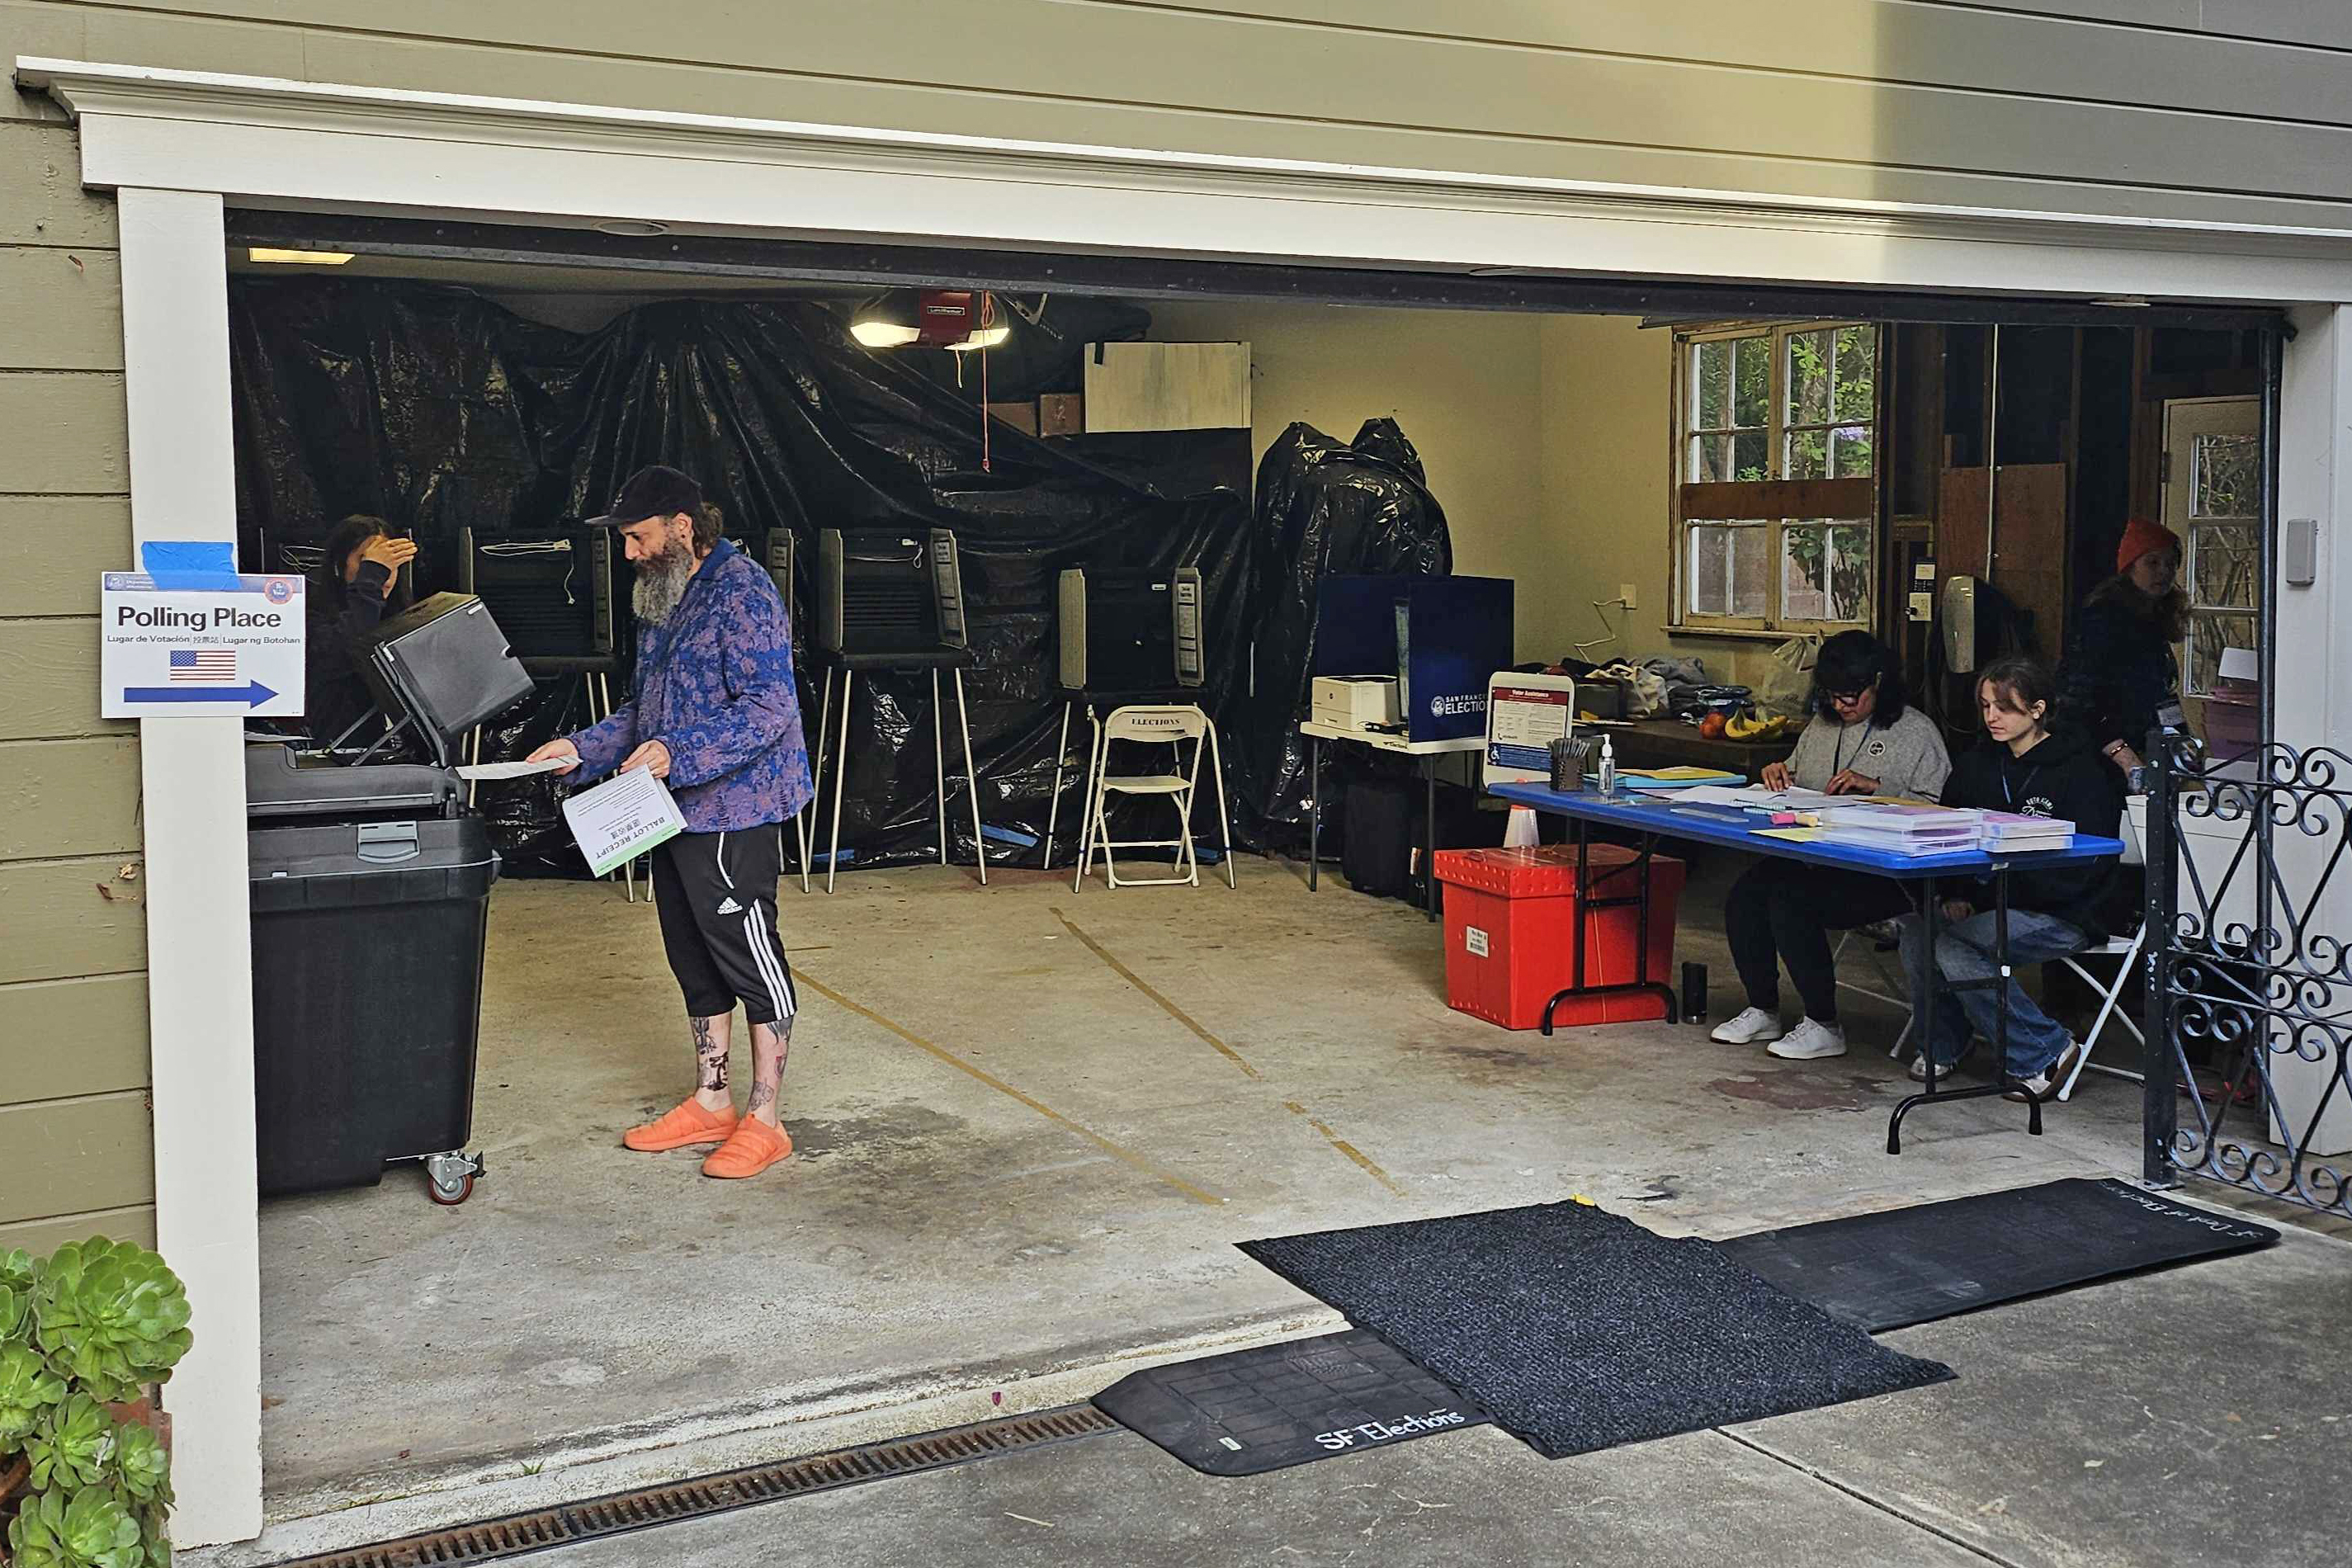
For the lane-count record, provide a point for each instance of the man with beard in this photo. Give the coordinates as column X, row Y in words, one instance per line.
column 714, row 712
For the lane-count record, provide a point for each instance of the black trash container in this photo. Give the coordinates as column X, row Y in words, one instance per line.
column 367, row 973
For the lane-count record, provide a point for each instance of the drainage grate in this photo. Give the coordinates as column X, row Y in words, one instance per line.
column 623, row 1511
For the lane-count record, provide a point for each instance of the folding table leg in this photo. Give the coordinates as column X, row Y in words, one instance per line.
column 1314, row 809
column 979, row 843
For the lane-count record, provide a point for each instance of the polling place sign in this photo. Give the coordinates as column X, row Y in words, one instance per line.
column 177, row 643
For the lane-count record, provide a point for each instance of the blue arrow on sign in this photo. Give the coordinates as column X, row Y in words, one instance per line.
column 253, row 694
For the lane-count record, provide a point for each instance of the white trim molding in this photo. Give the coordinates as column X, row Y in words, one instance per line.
column 272, row 142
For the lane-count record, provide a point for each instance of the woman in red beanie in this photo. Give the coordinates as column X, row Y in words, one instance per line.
column 2121, row 681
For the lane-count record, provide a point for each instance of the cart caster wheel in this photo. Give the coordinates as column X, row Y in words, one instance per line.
column 449, row 1178
column 450, row 1194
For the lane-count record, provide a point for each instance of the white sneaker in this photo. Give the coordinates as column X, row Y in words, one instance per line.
column 1752, row 1027
column 1810, row 1040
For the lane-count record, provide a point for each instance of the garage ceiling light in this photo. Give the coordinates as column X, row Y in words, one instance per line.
column 298, row 257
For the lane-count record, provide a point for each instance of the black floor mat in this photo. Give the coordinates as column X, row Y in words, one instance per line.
column 1880, row 1271
column 1262, row 1409
column 1579, row 1331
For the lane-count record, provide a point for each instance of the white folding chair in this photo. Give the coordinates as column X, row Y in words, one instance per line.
column 1896, row 994
column 2125, row 949
column 1172, row 727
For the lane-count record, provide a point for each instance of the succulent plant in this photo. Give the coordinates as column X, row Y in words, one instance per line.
column 15, row 1296
column 111, row 1317
column 142, row 1466
column 27, row 1389
column 73, row 1446
column 90, row 1529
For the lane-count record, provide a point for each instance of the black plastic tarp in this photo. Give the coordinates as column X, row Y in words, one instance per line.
column 1324, row 507
column 436, row 409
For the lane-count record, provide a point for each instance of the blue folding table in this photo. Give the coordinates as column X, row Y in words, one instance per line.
column 1655, row 816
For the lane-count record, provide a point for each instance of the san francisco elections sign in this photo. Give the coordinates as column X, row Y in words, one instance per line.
column 194, row 644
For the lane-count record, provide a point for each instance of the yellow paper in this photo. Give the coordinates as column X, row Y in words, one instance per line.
column 1794, row 835
column 1684, row 772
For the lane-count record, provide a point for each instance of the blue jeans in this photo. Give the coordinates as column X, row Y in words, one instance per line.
column 1964, row 951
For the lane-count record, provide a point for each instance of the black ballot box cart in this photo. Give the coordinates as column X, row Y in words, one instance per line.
column 371, row 889
column 369, row 895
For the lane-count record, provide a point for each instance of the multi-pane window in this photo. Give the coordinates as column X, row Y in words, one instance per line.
column 1776, row 475
column 2224, row 569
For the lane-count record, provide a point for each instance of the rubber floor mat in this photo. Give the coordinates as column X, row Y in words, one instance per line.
column 1261, row 1409
column 1880, row 1271
column 1577, row 1329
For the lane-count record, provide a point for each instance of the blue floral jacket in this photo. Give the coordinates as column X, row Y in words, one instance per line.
column 715, row 685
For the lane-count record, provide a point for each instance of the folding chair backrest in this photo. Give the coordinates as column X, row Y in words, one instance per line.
column 1181, row 722
column 2134, row 831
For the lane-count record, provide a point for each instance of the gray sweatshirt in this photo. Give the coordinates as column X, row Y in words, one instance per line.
column 1907, row 757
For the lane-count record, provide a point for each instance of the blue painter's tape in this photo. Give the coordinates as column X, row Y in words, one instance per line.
column 193, row 564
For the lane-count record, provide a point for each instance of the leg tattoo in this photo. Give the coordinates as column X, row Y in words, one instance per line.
column 770, row 1043
column 711, row 1059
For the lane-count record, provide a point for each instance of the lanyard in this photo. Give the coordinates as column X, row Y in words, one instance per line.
column 1837, row 754
column 2009, row 796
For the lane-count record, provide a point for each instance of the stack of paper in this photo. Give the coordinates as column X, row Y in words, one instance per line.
column 1679, row 779
column 2008, row 832
column 1904, row 829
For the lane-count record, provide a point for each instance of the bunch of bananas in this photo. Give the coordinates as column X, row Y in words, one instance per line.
column 1747, row 725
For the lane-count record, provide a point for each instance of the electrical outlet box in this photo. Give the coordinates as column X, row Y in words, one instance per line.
column 1626, row 596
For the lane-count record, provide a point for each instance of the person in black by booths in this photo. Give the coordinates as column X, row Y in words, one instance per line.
column 354, row 585
column 2120, row 683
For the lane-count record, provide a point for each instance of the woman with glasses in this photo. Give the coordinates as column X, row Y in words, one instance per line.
column 1865, row 738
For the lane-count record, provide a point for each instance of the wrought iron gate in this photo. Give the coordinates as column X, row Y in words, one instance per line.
column 2247, row 1054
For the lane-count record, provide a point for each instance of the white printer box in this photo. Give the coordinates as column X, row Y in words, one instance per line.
column 1356, row 701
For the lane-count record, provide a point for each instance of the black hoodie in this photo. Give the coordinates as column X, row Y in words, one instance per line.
column 342, row 617
column 2065, row 777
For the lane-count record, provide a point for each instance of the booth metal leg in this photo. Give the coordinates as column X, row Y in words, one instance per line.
column 1314, row 809
column 1096, row 747
column 840, row 772
column 1224, row 822
column 1053, row 812
column 816, row 780
column 971, row 773
column 940, row 766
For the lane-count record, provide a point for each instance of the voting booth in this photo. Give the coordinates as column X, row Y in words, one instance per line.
column 1441, row 637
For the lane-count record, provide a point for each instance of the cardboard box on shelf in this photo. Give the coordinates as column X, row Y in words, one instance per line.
column 1061, row 413
column 1021, row 417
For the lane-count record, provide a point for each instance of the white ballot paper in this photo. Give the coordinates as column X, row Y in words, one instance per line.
column 475, row 771
column 621, row 818
column 1754, row 797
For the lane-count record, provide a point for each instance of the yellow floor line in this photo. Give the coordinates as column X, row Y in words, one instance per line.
column 998, row 1084
column 1349, row 1150
column 1173, row 1011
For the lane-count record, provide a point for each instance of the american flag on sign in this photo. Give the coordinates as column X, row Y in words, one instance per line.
column 209, row 666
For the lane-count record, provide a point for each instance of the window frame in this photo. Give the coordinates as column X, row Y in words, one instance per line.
column 1778, row 505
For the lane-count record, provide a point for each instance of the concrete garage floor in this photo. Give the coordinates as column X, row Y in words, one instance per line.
column 2193, row 1416
column 1032, row 1125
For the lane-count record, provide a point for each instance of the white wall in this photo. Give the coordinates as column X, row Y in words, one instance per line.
column 1462, row 386
column 1545, row 437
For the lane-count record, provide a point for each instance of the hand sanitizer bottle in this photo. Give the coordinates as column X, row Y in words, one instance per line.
column 1608, row 768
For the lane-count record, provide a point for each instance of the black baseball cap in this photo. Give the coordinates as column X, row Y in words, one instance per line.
column 652, row 492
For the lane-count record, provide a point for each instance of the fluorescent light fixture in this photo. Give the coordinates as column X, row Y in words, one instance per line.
column 298, row 257
column 881, row 335
column 982, row 338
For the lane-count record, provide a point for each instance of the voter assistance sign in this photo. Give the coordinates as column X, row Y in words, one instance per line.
column 190, row 644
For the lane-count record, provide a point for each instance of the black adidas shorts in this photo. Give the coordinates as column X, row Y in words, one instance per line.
column 716, row 896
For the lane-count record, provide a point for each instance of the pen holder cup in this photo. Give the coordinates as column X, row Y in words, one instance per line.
column 1567, row 757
